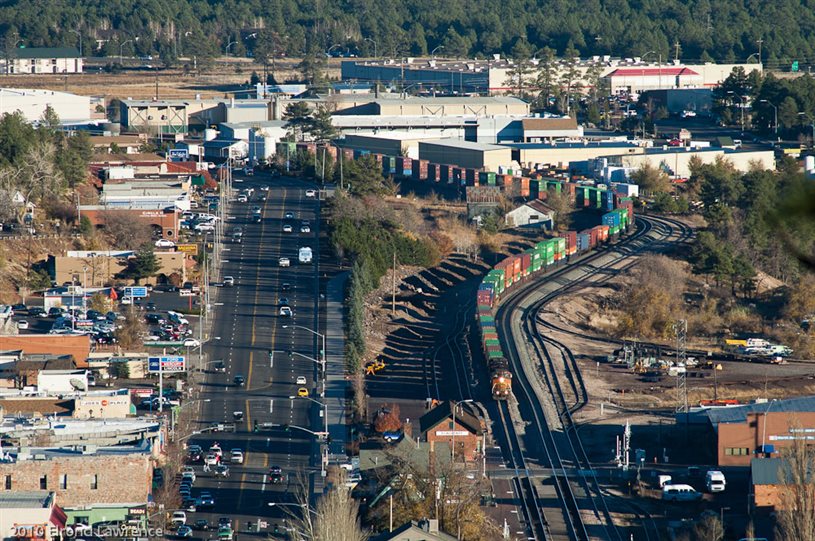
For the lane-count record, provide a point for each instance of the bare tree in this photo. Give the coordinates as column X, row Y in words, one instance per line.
column 562, row 206
column 131, row 333
column 709, row 528
column 335, row 517
column 126, row 232
column 651, row 180
column 796, row 521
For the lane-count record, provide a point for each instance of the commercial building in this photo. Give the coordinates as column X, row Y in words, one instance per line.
column 760, row 429
column 399, row 105
column 153, row 214
column 423, row 530
column 387, row 143
column 96, row 268
column 543, row 129
column 676, row 160
column 457, row 428
column 465, row 154
column 32, row 103
column 562, row 154
column 76, row 346
column 677, row 100
column 30, row 515
column 494, row 75
column 183, row 116
column 42, row 60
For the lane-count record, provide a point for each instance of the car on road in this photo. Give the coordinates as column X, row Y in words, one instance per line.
column 22, row 324
column 237, row 239
column 205, row 500
column 257, row 219
column 242, row 198
column 188, row 473
column 289, row 216
column 285, row 311
column 236, row 456
column 224, row 522
column 37, row 312
column 219, row 367
column 211, row 460
column 191, row 343
column 19, row 307
column 216, row 450
column 221, row 471
column 264, row 188
column 301, row 380
column 225, row 534
column 201, row 524
column 229, row 281
column 184, row 531
column 311, row 193
column 204, row 227
column 237, row 415
column 179, row 517
column 249, row 171
column 284, row 301
column 284, row 262
column 285, row 286
column 151, row 307
column 165, row 243
column 276, row 475
column 305, row 228
column 256, row 210
column 239, row 380
column 190, row 504
column 302, row 391
column 287, row 228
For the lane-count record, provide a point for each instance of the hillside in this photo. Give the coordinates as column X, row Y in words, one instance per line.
column 722, row 31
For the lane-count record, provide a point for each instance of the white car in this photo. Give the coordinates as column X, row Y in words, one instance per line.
column 284, row 262
column 301, row 380
column 191, row 343
column 242, row 198
column 287, row 228
column 179, row 517
column 311, row 193
column 305, row 229
column 205, row 227
column 22, row 325
column 285, row 311
column 216, row 450
column 164, row 243
column 229, row 281
column 236, row 456
column 211, row 460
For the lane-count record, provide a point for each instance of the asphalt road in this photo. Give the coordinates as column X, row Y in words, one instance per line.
column 246, row 326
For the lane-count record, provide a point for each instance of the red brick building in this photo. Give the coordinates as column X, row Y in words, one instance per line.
column 459, row 429
column 761, row 429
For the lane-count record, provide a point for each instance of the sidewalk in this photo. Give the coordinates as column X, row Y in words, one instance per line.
column 336, row 384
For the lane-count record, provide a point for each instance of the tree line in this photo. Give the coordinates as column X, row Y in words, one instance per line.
column 703, row 29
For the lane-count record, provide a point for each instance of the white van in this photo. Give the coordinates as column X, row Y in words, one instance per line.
column 680, row 493
column 305, row 255
column 715, row 481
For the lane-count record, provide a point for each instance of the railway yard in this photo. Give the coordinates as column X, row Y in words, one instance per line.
column 552, row 448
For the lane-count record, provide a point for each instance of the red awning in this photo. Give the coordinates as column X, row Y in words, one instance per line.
column 58, row 518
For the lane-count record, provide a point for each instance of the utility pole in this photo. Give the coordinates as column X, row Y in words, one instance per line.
column 681, row 331
column 676, row 47
column 393, row 285
column 760, row 41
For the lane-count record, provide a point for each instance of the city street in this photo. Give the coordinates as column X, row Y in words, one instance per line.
column 247, row 326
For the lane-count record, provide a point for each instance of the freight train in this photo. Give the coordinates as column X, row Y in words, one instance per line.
column 541, row 258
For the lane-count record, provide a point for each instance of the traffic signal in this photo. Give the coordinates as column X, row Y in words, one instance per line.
column 276, row 528
column 286, row 428
column 255, row 427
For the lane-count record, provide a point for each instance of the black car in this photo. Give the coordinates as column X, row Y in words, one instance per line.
column 155, row 319
column 36, row 311
column 151, row 307
column 17, row 308
column 225, row 522
column 201, row 524
column 257, row 219
column 54, row 312
column 219, row 367
column 239, row 380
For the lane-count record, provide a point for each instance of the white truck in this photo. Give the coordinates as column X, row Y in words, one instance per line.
column 715, row 481
column 304, row 256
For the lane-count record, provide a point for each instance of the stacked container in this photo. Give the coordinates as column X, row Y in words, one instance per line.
column 560, row 248
column 471, row 177
column 612, row 220
column 546, row 250
column 571, row 242
column 526, row 263
column 524, row 192
column 608, row 200
column 486, row 294
column 583, row 241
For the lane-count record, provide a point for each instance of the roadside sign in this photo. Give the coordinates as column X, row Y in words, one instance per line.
column 187, row 248
column 165, row 364
column 794, row 66
column 143, row 392
column 186, row 293
column 135, row 292
column 83, row 323
column 178, row 154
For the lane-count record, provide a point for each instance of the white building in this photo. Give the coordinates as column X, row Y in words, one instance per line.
column 42, row 60
column 263, row 141
column 70, row 108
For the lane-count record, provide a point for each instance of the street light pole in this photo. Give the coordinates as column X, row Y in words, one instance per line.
column 121, row 46
column 79, row 36
column 453, row 447
column 228, row 45
column 374, row 42
column 775, row 114
column 433, row 52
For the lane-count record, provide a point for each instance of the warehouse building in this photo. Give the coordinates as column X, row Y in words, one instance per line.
column 399, row 105
column 30, row 515
column 32, row 103
column 387, row 143
column 760, row 429
column 562, row 154
column 531, row 214
column 677, row 100
column 635, row 80
column 676, row 160
column 182, row 116
column 465, row 154
column 104, row 267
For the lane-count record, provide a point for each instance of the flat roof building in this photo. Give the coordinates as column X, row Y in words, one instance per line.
column 562, row 154
column 465, row 154
column 676, row 160
column 30, row 515
column 387, row 143
column 32, row 103
column 41, row 60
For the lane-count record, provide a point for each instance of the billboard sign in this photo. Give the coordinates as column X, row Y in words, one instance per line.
column 178, row 154
column 166, row 364
column 187, row 248
column 133, row 292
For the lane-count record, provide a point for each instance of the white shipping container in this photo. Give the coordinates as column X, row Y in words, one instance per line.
column 626, row 190
column 121, row 173
column 699, row 144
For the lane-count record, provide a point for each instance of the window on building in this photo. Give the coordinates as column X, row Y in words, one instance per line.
column 94, row 482
column 44, row 482
column 450, row 425
column 63, row 481
column 8, row 482
column 736, row 451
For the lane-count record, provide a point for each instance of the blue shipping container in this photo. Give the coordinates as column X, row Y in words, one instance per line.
column 583, row 242
column 611, row 219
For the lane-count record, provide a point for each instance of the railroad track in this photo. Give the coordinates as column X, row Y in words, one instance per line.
column 455, row 342
column 562, row 451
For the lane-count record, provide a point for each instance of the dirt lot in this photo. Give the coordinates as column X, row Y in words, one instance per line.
column 140, row 82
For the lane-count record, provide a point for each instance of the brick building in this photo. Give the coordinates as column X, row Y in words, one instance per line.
column 166, row 219
column 767, row 483
column 456, row 427
column 77, row 346
column 760, row 429
column 84, row 480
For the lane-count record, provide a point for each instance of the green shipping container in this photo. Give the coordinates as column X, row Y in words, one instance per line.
column 495, row 354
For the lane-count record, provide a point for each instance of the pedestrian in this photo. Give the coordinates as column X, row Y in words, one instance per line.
column 206, row 467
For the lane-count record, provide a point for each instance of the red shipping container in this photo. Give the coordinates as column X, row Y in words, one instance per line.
column 516, row 266
column 506, row 180
column 592, row 233
column 526, row 264
column 571, row 240
column 572, row 187
column 348, row 153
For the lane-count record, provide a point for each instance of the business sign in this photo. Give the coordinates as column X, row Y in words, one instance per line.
column 178, row 154
column 133, row 292
column 452, row 433
column 83, row 323
column 187, row 248
column 186, row 293
column 166, row 364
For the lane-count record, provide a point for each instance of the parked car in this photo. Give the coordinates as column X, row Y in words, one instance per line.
column 236, row 456
column 311, row 193
column 22, row 325
column 680, row 493
column 165, row 243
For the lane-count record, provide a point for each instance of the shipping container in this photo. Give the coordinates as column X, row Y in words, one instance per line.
column 611, row 219
column 524, row 191
column 583, row 241
column 526, row 263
